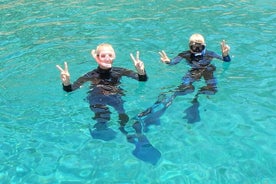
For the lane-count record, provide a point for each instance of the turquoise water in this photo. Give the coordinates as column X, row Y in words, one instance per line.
column 44, row 131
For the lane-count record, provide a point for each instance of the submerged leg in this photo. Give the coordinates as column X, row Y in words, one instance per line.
column 210, row 80
column 123, row 119
column 184, row 89
column 192, row 112
column 100, row 130
column 102, row 113
column 208, row 90
column 152, row 114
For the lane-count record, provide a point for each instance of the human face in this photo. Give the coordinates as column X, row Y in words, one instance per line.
column 105, row 58
column 196, row 47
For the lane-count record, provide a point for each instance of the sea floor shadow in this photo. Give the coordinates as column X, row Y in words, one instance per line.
column 145, row 151
column 192, row 113
column 101, row 131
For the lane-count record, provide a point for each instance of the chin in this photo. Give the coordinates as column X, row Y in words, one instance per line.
column 107, row 66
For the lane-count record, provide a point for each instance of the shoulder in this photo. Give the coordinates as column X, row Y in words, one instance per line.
column 210, row 53
column 91, row 73
column 119, row 69
column 184, row 53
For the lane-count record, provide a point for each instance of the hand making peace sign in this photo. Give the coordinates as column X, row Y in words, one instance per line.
column 163, row 57
column 64, row 74
column 224, row 48
column 139, row 65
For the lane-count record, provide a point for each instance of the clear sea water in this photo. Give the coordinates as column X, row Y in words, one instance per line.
column 44, row 136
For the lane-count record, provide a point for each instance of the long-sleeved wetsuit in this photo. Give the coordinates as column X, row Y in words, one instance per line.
column 200, row 66
column 105, row 91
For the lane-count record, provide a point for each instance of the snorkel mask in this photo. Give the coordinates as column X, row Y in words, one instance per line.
column 197, row 48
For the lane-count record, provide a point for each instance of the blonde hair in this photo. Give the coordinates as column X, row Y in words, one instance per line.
column 104, row 45
column 197, row 38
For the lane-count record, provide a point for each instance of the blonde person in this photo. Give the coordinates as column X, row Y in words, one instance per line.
column 105, row 92
column 199, row 59
column 105, row 88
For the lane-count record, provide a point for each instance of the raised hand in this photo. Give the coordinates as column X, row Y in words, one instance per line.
column 139, row 65
column 163, row 57
column 224, row 48
column 64, row 74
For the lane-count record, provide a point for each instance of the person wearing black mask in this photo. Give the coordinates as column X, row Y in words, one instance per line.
column 199, row 59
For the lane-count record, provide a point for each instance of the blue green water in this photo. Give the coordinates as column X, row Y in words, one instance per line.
column 44, row 135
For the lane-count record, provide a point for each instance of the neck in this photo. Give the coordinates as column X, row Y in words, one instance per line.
column 199, row 53
column 103, row 69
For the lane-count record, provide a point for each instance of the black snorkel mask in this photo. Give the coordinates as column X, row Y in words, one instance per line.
column 197, row 48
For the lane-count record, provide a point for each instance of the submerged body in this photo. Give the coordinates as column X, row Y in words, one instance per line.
column 105, row 91
column 200, row 67
column 105, row 83
column 199, row 59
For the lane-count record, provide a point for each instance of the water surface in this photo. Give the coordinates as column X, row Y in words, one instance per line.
column 44, row 131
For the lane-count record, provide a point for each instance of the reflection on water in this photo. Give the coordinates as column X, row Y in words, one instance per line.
column 45, row 132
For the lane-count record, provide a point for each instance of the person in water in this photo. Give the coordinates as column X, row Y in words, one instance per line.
column 105, row 84
column 105, row 91
column 199, row 59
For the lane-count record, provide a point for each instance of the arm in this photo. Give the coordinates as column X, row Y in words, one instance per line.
column 130, row 73
column 165, row 59
column 65, row 79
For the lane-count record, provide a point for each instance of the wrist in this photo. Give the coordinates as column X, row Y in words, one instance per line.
column 225, row 54
column 167, row 61
column 66, row 83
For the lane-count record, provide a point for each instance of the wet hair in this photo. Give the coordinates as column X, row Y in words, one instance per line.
column 197, row 38
column 102, row 45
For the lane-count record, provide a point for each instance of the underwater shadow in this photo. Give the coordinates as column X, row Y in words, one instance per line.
column 102, row 132
column 192, row 112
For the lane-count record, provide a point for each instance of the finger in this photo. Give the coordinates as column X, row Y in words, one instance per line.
column 65, row 67
column 222, row 43
column 142, row 66
column 132, row 57
column 160, row 54
column 137, row 55
column 59, row 68
column 164, row 53
column 63, row 77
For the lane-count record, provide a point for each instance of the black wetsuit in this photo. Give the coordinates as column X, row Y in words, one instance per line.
column 200, row 66
column 105, row 91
